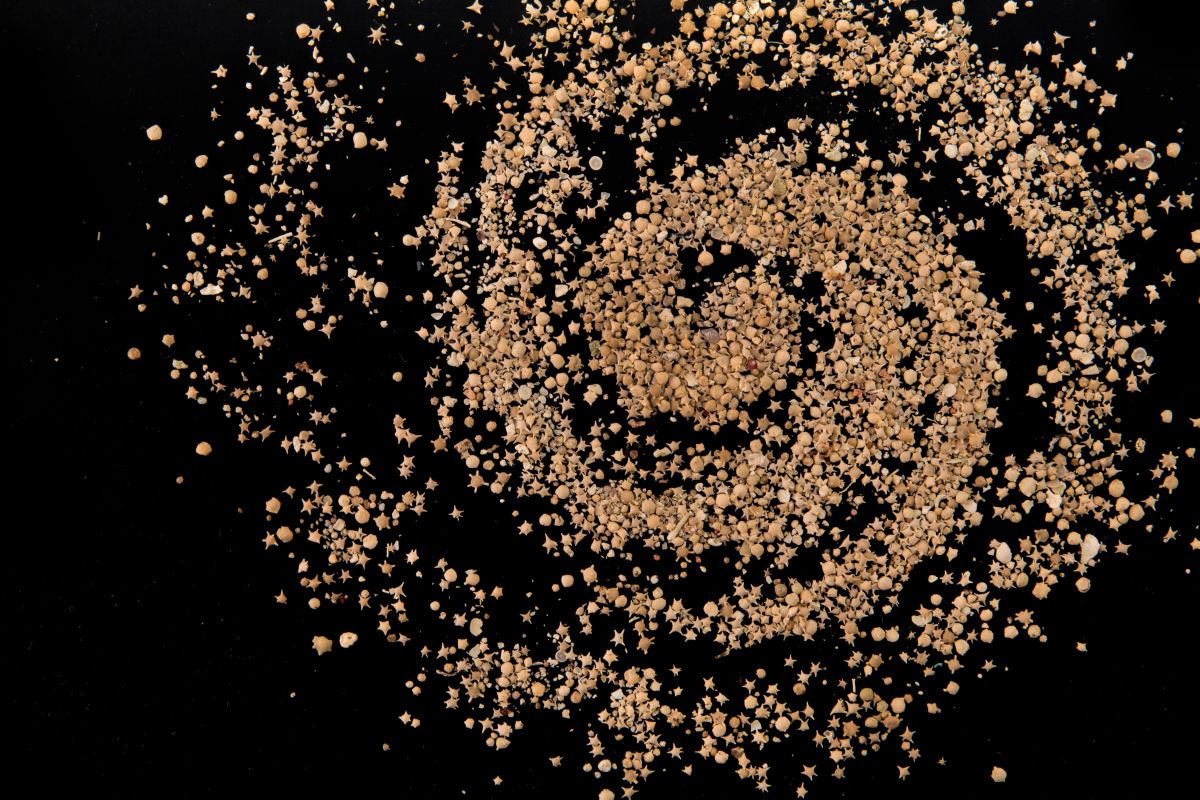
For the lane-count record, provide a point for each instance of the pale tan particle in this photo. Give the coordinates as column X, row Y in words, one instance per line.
column 203, row 449
column 134, row 354
column 273, row 505
column 230, row 197
column 1143, row 158
column 347, row 639
column 154, row 133
column 360, row 140
column 303, row 31
column 322, row 644
column 201, row 161
column 999, row 774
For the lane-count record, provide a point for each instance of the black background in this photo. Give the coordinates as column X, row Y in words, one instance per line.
column 142, row 641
